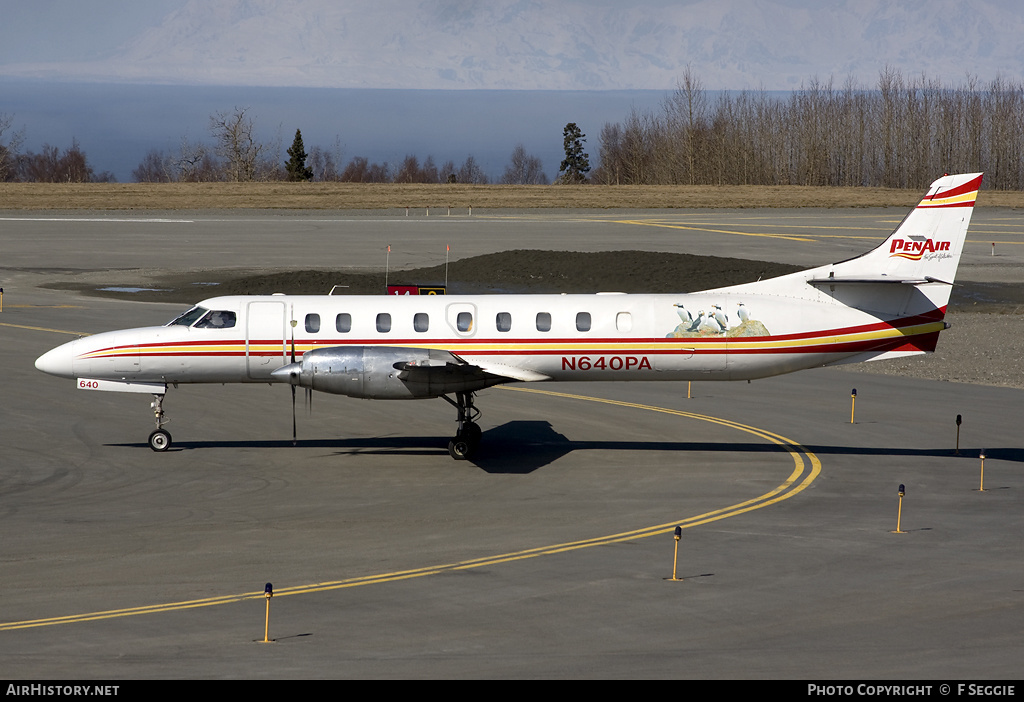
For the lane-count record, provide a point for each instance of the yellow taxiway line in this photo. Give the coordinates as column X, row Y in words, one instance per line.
column 806, row 467
column 708, row 229
column 44, row 329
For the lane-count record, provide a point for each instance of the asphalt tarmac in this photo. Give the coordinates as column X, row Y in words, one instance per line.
column 548, row 556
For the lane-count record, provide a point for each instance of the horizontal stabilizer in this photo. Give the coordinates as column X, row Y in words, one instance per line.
column 877, row 280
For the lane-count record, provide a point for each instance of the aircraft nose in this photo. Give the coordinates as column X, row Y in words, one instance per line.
column 58, row 361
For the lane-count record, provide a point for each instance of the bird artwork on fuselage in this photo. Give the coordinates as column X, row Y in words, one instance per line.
column 715, row 322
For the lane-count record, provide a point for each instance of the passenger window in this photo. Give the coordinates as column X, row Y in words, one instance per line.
column 343, row 323
column 543, row 321
column 583, row 321
column 312, row 323
column 383, row 322
column 464, row 322
column 624, row 322
column 503, row 321
column 421, row 321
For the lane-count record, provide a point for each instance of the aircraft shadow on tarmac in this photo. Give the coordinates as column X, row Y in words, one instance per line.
column 521, row 447
column 997, row 454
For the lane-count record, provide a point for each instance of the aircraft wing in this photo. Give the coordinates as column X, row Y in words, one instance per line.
column 395, row 372
column 505, row 371
column 442, row 369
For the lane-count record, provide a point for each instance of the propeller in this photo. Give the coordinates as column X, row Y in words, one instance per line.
column 295, row 439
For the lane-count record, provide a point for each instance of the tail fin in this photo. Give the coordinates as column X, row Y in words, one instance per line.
column 910, row 274
column 927, row 244
column 898, row 291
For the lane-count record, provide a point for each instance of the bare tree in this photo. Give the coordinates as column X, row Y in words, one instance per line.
column 428, row 172
column 447, row 173
column 899, row 134
column 269, row 166
column 360, row 170
column 155, row 167
column 10, row 142
column 609, row 170
column 524, row 169
column 470, row 172
column 356, row 170
column 53, row 166
column 409, row 171
column 195, row 164
column 326, row 163
column 378, row 173
column 323, row 165
column 236, row 144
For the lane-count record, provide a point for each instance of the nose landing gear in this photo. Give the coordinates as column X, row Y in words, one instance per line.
column 160, row 439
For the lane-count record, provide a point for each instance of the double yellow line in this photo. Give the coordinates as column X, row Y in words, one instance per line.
column 806, row 467
column 666, row 225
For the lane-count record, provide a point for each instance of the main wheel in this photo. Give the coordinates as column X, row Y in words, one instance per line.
column 460, row 449
column 160, row 440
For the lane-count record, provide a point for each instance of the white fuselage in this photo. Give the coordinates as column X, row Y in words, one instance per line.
column 560, row 337
column 888, row 302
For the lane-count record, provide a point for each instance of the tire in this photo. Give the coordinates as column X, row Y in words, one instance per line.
column 160, row 440
column 460, row 449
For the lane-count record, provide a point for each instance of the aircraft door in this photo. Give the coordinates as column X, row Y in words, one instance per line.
column 266, row 339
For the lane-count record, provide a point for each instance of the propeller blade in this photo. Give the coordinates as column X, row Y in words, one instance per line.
column 294, row 434
column 293, row 323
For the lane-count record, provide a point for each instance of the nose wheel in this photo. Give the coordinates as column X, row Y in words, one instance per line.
column 160, row 439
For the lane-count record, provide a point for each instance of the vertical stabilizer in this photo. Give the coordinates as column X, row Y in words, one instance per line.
column 928, row 243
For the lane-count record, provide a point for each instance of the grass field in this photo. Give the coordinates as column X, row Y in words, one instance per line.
column 366, row 196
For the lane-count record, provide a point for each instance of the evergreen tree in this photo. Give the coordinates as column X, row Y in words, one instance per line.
column 296, row 166
column 576, row 164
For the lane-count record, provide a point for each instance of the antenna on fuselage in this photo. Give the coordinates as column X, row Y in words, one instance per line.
column 447, row 249
column 387, row 267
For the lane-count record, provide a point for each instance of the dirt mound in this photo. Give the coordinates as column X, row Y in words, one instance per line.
column 520, row 271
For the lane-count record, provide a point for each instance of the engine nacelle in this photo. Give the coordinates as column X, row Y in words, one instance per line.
column 384, row 372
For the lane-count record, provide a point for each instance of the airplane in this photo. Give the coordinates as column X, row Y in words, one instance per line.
column 889, row 302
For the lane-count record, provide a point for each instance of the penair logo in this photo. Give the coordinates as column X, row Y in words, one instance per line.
column 916, row 250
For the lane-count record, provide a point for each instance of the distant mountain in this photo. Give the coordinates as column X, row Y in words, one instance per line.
column 561, row 44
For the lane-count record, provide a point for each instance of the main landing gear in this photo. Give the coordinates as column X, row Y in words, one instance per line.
column 467, row 439
column 159, row 440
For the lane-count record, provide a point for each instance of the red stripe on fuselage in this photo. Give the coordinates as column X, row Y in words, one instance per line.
column 240, row 346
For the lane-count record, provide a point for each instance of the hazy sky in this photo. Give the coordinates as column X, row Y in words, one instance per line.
column 508, row 44
column 443, row 53
column 73, row 30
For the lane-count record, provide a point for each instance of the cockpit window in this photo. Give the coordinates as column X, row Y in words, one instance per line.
column 217, row 319
column 187, row 319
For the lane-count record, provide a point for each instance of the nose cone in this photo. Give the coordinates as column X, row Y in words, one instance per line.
column 288, row 374
column 58, row 361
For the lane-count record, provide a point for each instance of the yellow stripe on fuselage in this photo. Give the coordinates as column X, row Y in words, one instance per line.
column 702, row 344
